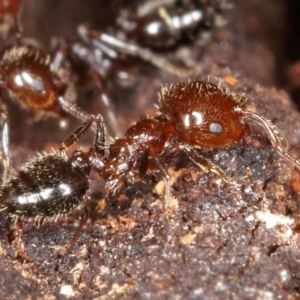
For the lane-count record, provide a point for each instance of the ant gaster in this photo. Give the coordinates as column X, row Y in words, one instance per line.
column 193, row 115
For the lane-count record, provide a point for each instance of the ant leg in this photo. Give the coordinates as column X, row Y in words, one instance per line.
column 106, row 110
column 97, row 77
column 99, row 140
column 167, row 178
column 75, row 111
column 206, row 165
column 79, row 132
column 276, row 138
column 84, row 217
column 104, row 41
column 4, row 145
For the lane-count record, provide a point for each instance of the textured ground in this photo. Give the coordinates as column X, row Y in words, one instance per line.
column 219, row 241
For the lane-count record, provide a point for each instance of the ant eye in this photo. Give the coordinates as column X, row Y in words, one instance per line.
column 215, row 128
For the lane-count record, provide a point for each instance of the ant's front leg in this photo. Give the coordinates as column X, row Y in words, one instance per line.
column 206, row 165
column 276, row 138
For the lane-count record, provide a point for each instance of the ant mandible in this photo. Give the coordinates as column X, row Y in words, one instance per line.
column 193, row 115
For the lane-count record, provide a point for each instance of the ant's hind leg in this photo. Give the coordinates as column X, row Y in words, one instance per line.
column 207, row 166
column 276, row 138
column 4, row 145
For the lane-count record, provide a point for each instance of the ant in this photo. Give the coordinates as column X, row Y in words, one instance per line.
column 156, row 26
column 193, row 115
column 34, row 80
column 105, row 58
column 29, row 75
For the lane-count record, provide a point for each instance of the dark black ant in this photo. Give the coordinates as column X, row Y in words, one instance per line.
column 154, row 27
column 193, row 115
column 165, row 24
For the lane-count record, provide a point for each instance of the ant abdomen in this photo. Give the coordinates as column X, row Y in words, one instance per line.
column 26, row 74
column 46, row 187
column 203, row 114
column 162, row 30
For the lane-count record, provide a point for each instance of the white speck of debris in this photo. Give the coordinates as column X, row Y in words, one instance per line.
column 63, row 124
column 248, row 190
column 198, row 292
column 249, row 218
column 272, row 220
column 255, row 293
column 220, row 286
column 102, row 243
column 285, row 275
column 104, row 270
column 67, row 290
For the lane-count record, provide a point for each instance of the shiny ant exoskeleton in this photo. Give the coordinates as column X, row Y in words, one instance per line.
column 165, row 24
column 26, row 73
column 154, row 28
column 29, row 75
column 193, row 115
column 149, row 32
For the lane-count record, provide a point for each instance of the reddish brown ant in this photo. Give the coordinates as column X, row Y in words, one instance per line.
column 194, row 115
column 148, row 32
column 29, row 75
column 26, row 73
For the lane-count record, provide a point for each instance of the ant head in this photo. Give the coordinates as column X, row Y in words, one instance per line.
column 203, row 114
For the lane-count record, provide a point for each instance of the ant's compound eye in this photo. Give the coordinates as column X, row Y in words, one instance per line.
column 203, row 114
column 216, row 128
